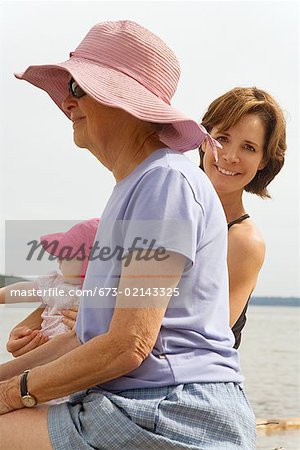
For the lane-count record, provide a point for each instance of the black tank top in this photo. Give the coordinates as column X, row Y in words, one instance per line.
column 241, row 322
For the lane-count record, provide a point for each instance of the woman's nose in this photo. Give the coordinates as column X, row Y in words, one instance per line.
column 231, row 155
column 69, row 103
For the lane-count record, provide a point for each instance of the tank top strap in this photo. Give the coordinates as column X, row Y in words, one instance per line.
column 240, row 219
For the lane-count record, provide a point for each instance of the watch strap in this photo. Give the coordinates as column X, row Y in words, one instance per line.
column 23, row 383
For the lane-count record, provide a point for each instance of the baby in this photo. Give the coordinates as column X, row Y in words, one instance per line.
column 57, row 291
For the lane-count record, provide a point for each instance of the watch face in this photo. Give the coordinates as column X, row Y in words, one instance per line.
column 29, row 401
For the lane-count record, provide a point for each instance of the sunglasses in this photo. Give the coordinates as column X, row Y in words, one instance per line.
column 75, row 89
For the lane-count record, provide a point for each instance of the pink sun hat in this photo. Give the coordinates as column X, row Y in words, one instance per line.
column 124, row 65
column 77, row 242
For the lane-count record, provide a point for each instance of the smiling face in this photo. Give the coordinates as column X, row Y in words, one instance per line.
column 240, row 158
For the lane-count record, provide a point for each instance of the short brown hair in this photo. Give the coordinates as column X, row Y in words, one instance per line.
column 227, row 110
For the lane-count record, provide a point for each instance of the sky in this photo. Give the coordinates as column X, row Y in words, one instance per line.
column 219, row 44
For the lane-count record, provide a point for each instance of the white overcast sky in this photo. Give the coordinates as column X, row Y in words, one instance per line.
column 219, row 44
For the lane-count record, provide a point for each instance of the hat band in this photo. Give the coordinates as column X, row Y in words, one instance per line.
column 213, row 145
column 152, row 90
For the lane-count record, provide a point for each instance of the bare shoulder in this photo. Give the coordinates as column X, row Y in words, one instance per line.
column 246, row 241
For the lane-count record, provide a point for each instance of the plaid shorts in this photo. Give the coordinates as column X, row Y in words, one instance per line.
column 188, row 416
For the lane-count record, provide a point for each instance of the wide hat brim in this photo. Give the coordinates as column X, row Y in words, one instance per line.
column 114, row 88
column 54, row 243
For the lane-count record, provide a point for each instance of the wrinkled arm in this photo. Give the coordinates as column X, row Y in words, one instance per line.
column 131, row 336
column 50, row 351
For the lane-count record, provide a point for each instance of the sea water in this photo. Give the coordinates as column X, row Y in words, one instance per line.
column 270, row 359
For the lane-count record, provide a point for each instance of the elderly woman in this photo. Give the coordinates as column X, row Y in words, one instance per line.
column 151, row 359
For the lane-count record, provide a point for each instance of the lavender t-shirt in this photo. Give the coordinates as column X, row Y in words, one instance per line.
column 168, row 198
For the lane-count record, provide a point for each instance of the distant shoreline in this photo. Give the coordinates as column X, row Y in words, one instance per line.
column 275, row 301
column 255, row 301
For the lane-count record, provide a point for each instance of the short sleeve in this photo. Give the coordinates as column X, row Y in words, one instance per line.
column 163, row 212
column 44, row 283
column 56, row 293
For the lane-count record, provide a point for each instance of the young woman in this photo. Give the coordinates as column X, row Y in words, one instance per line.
column 250, row 125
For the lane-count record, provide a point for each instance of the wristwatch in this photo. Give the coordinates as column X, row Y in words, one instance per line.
column 28, row 400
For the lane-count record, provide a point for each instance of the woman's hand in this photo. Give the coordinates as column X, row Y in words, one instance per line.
column 23, row 339
column 70, row 316
column 10, row 398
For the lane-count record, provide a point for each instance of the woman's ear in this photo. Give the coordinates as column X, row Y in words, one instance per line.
column 204, row 146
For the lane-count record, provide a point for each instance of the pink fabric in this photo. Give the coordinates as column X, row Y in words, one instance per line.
column 81, row 235
column 124, row 65
column 52, row 324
